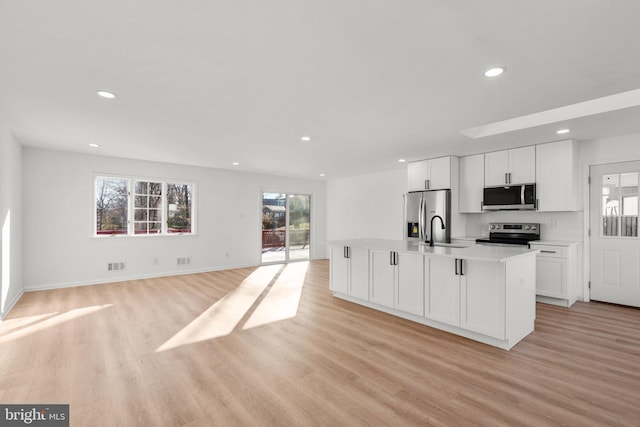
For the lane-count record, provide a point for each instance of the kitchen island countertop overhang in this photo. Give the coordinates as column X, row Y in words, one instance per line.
column 485, row 293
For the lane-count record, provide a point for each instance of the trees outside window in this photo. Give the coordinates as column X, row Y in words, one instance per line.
column 143, row 207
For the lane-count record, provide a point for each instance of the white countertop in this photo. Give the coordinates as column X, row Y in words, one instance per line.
column 478, row 253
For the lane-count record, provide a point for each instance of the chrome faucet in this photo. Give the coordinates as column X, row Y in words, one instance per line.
column 432, row 241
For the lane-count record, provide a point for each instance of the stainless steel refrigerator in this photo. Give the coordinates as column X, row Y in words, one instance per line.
column 420, row 208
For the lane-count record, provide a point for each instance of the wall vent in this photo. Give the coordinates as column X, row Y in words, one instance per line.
column 184, row 261
column 115, row 266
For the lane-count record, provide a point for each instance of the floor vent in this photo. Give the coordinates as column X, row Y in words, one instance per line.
column 115, row 266
column 184, row 261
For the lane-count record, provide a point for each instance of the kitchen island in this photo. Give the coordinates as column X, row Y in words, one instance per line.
column 484, row 293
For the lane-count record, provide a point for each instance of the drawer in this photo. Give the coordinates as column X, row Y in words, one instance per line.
column 550, row 251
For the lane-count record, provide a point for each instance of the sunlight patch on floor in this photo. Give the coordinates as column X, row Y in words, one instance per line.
column 222, row 317
column 281, row 302
column 24, row 326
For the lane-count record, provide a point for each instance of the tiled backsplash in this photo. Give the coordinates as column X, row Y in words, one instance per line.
column 553, row 225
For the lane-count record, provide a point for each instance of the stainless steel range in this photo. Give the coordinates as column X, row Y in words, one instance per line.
column 510, row 233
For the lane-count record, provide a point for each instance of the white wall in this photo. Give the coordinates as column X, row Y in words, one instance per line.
column 58, row 222
column 367, row 206
column 11, row 283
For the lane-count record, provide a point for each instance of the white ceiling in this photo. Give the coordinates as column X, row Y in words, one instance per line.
column 209, row 83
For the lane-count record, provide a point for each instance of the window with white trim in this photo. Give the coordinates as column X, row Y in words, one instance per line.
column 127, row 206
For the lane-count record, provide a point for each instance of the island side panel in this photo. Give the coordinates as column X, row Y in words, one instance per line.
column 521, row 297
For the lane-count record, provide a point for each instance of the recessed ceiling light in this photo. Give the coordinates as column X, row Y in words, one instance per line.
column 94, row 145
column 401, row 160
column 561, row 131
column 106, row 94
column 494, row 72
column 306, row 138
column 321, row 174
column 235, row 164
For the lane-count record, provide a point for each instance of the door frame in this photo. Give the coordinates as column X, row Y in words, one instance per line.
column 586, row 204
column 312, row 238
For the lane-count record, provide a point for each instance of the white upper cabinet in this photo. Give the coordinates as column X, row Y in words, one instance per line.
column 515, row 166
column 556, row 170
column 471, row 183
column 432, row 174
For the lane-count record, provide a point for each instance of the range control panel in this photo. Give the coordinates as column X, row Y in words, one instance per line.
column 514, row 228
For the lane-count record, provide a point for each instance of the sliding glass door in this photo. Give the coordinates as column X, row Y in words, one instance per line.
column 286, row 226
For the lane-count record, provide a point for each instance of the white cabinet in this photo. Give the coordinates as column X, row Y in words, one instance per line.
column 383, row 277
column 410, row 283
column 442, row 301
column 431, row 174
column 482, row 297
column 488, row 299
column 556, row 273
column 515, row 166
column 471, row 183
column 350, row 271
column 468, row 294
column 397, row 280
column 556, row 176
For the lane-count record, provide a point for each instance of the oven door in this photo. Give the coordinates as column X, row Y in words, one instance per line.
column 512, row 197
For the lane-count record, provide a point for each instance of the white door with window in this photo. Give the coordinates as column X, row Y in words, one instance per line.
column 615, row 245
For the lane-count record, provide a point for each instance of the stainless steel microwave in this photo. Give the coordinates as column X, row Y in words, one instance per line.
column 510, row 198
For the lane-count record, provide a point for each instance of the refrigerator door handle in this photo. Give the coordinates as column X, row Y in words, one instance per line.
column 420, row 221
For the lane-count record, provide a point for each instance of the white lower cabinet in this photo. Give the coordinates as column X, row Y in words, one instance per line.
column 410, row 283
column 467, row 294
column 383, row 277
column 556, row 273
column 397, row 280
column 482, row 297
column 442, row 299
column 350, row 271
column 488, row 300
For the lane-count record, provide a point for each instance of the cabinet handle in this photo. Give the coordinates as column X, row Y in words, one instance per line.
column 427, row 184
column 456, row 266
column 395, row 258
column 461, row 267
column 548, row 252
column 481, row 205
column 506, row 178
column 347, row 252
column 537, row 206
column 510, row 178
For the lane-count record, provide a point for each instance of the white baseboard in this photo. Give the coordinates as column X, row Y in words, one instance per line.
column 10, row 305
column 91, row 282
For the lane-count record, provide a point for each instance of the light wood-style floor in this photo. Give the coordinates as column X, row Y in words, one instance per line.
column 272, row 346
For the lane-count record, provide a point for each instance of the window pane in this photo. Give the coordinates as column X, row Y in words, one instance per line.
column 155, row 202
column 620, row 205
column 140, row 227
column 111, row 206
column 179, row 208
column 148, row 198
column 155, row 227
column 141, row 187
column 140, row 214
column 155, row 188
column 141, row 201
column 299, row 226
column 629, row 204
